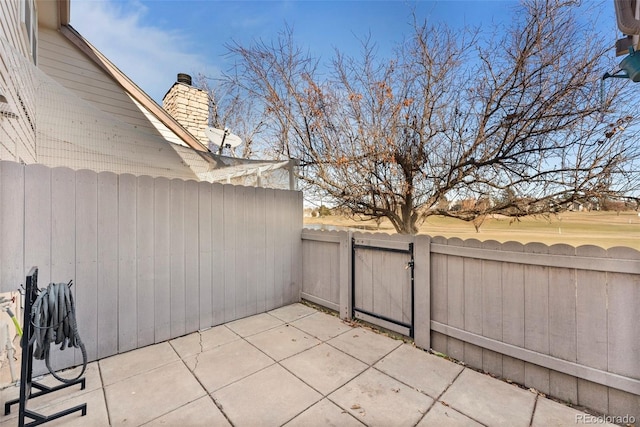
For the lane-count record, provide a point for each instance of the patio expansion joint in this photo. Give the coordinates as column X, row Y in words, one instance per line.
column 193, row 374
column 104, row 393
column 533, row 411
column 442, row 402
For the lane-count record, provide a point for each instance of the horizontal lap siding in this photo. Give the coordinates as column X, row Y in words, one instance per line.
column 18, row 82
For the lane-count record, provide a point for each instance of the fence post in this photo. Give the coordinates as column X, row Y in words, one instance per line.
column 422, row 293
column 345, row 276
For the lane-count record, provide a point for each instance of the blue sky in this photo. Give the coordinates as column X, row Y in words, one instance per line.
column 153, row 40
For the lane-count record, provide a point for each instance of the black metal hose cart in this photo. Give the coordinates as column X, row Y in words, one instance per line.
column 32, row 332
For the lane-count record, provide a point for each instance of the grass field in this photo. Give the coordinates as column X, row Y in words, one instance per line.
column 604, row 229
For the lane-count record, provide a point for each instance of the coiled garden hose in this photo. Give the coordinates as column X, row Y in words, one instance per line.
column 53, row 316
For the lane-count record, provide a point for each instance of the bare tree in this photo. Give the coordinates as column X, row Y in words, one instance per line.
column 450, row 117
column 229, row 108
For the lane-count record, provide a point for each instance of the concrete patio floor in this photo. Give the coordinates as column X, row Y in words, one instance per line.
column 292, row 366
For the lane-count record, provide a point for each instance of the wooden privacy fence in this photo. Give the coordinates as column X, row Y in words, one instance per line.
column 151, row 258
column 559, row 319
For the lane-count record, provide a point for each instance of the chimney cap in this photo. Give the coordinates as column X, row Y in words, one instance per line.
column 184, row 78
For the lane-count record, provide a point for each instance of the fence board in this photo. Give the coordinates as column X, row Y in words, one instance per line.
column 205, row 246
column 229, row 229
column 127, row 294
column 240, row 254
column 162, row 259
column 319, row 261
column 282, row 252
column 12, row 270
column 86, row 290
column 492, row 308
column 145, row 280
column 37, row 222
column 260, row 252
column 296, row 225
column 218, row 262
column 562, row 324
column 107, row 283
column 191, row 250
column 513, row 313
column 455, row 283
column 473, row 304
column 422, row 303
column 536, row 317
column 63, row 241
column 176, row 224
column 591, row 321
column 623, row 335
column 273, row 275
column 440, row 296
column 251, row 251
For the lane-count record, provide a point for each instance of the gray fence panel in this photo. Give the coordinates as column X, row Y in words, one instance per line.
column 205, row 245
column 162, row 259
column 252, row 244
column 623, row 335
column 107, row 284
column 422, row 277
column 513, row 313
column 440, row 296
column 63, row 240
column 191, row 257
column 536, row 320
column 455, row 302
column 229, row 229
column 37, row 223
column 11, row 225
column 178, row 288
column 241, row 259
column 38, row 228
column 219, row 264
column 86, row 291
column 472, row 304
column 270, row 245
column 591, row 317
column 127, row 292
column 492, row 312
column 151, row 258
column 145, row 278
column 562, row 324
column 279, row 254
column 259, row 252
column 558, row 319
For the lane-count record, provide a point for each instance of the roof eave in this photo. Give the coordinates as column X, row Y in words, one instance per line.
column 64, row 12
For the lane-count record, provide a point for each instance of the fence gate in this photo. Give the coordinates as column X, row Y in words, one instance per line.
column 383, row 283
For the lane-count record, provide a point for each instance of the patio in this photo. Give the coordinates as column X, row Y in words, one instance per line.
column 293, row 366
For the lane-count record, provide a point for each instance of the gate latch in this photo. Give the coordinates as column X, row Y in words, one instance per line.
column 409, row 265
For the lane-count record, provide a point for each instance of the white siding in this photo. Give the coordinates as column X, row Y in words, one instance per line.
column 75, row 134
column 10, row 28
column 70, row 67
column 17, row 132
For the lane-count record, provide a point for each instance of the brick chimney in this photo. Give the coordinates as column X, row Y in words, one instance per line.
column 189, row 106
